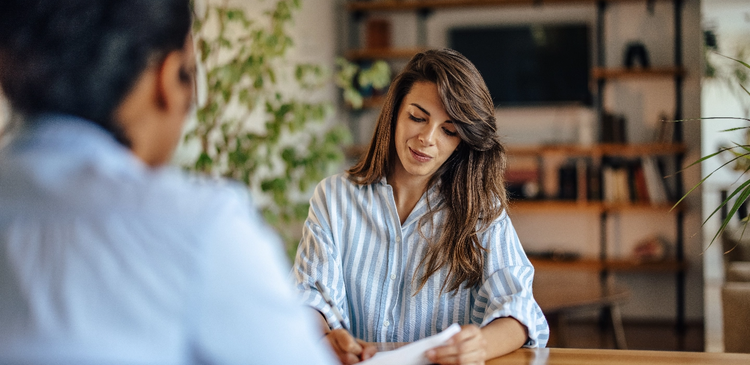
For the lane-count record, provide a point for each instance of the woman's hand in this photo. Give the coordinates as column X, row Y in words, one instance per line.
column 466, row 348
column 349, row 349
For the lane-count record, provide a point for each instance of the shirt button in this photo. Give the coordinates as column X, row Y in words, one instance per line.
column 386, row 324
column 393, row 276
column 398, row 239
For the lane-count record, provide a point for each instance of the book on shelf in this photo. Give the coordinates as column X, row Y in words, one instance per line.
column 582, row 170
column 614, row 129
column 665, row 169
column 633, row 181
column 578, row 179
column 654, row 182
column 615, row 184
column 639, row 180
column 575, row 182
column 568, row 176
column 593, row 182
column 378, row 33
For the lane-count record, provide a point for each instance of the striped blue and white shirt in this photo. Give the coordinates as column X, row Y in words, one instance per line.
column 353, row 242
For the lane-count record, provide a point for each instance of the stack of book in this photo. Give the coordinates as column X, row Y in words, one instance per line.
column 640, row 181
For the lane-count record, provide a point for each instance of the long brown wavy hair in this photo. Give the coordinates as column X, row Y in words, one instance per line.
column 470, row 181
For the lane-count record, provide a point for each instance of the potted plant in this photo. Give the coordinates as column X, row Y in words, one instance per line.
column 357, row 81
column 255, row 120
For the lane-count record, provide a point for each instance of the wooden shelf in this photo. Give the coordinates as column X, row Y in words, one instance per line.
column 647, row 266
column 382, row 53
column 549, row 205
column 636, row 73
column 622, row 265
column 406, row 5
column 624, row 150
column 553, row 205
column 639, row 149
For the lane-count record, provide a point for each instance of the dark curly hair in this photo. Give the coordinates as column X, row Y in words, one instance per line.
column 82, row 57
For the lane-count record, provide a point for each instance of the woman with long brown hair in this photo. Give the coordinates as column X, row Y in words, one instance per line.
column 415, row 236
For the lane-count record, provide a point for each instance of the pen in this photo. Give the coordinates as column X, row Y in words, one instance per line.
column 337, row 315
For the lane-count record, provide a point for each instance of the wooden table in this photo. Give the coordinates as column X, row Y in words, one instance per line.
column 558, row 356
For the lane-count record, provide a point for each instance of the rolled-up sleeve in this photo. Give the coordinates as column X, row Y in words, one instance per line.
column 319, row 259
column 507, row 288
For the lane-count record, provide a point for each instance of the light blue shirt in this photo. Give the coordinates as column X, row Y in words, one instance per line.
column 355, row 245
column 104, row 260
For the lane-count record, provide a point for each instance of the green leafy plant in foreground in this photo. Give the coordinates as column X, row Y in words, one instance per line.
column 257, row 123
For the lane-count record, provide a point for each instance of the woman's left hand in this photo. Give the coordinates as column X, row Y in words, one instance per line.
column 466, row 348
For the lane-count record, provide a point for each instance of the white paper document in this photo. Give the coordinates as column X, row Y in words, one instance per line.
column 413, row 353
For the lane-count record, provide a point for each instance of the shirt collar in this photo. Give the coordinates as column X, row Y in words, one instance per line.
column 71, row 134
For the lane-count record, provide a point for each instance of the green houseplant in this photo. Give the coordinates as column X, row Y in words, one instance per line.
column 353, row 79
column 256, row 122
column 738, row 152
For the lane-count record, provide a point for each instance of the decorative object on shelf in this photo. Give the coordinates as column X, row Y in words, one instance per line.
column 248, row 127
column 522, row 183
column 559, row 255
column 378, row 33
column 651, row 249
column 636, row 55
column 568, row 177
column 357, row 81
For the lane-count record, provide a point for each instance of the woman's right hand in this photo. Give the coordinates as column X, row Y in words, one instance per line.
column 349, row 349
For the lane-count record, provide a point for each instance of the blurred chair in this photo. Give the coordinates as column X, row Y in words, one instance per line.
column 735, row 298
column 738, row 271
column 736, row 246
column 735, row 293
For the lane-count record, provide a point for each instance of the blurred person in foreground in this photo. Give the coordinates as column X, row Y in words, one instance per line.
column 106, row 254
